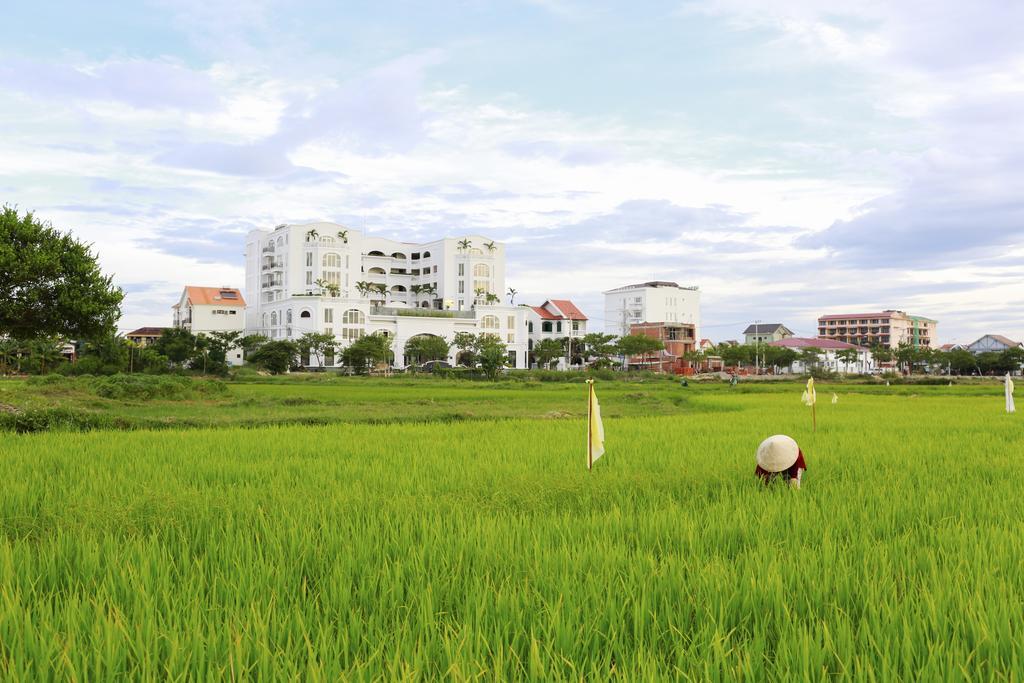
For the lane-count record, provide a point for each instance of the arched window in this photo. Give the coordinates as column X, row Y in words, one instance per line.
column 327, row 239
column 398, row 254
column 289, row 316
column 264, row 320
column 280, row 241
column 399, row 288
column 426, row 254
column 481, row 270
column 490, row 322
column 304, row 314
column 352, row 322
column 376, row 253
column 331, row 261
column 273, row 319
column 376, row 271
column 353, row 316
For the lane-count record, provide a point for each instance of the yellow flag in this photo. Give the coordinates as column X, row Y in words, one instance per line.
column 595, row 428
column 812, row 396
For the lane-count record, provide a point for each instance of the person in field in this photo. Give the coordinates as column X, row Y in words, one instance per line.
column 779, row 458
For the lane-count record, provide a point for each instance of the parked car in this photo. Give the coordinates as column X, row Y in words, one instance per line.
column 432, row 365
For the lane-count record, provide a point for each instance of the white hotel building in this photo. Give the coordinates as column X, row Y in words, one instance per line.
column 651, row 302
column 314, row 277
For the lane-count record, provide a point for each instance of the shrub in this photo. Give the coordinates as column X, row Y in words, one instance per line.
column 148, row 387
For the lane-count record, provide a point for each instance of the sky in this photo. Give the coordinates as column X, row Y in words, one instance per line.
column 792, row 158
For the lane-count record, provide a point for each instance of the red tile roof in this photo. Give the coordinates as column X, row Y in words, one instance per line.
column 215, row 296
column 569, row 309
column 823, row 344
column 147, row 332
column 545, row 313
column 856, row 315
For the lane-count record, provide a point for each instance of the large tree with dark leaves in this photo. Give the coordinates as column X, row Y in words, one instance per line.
column 50, row 283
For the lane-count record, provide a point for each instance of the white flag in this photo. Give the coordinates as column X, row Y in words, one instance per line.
column 595, row 429
column 835, row 398
column 1010, row 408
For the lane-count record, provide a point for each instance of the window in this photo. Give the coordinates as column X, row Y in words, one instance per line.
column 328, row 315
column 304, row 314
column 490, row 322
column 481, row 270
column 511, row 337
column 309, row 277
column 529, row 327
column 435, row 269
column 546, row 326
column 426, row 254
column 309, row 259
column 462, row 286
column 288, row 316
column 352, row 322
column 558, row 326
column 462, row 269
column 273, row 319
column 575, row 326
column 511, row 322
column 331, row 261
column 329, row 330
column 482, row 285
column 332, row 277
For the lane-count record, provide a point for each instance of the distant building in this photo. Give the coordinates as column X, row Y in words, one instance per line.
column 888, row 328
column 650, row 302
column 678, row 338
column 557, row 319
column 993, row 342
column 705, row 345
column 762, row 333
column 203, row 310
column 945, row 348
column 144, row 336
column 829, row 360
column 327, row 278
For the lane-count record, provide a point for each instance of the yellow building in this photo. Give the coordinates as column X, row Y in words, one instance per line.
column 889, row 328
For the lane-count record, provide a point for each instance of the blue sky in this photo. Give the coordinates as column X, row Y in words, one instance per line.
column 788, row 157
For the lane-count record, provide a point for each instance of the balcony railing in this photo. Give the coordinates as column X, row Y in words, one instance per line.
column 421, row 312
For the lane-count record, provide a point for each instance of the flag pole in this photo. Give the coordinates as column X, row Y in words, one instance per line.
column 590, row 424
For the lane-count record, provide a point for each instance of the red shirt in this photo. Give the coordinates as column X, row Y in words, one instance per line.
column 787, row 474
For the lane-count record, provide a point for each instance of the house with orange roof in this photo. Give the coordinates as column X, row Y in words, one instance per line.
column 203, row 310
column 559, row 319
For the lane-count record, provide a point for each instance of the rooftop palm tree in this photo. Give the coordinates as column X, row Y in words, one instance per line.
column 465, row 244
column 343, row 236
column 490, row 246
column 312, row 234
column 364, row 287
column 512, row 295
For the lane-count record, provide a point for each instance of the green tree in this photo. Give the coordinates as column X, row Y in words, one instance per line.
column 637, row 345
column 736, row 356
column 276, row 356
column 317, row 344
column 847, row 356
column 598, row 346
column 50, row 283
column 11, row 353
column 104, row 354
column 491, row 353
column 547, row 351
column 45, row 353
column 217, row 347
column 465, row 342
column 961, row 362
column 779, row 356
column 250, row 343
column 424, row 347
column 178, row 344
column 368, row 351
column 810, row 356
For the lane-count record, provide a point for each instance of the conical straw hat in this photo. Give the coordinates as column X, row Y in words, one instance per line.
column 777, row 453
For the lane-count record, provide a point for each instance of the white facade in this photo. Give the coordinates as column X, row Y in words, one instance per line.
column 203, row 310
column 829, row 360
column 993, row 342
column 651, row 302
column 314, row 278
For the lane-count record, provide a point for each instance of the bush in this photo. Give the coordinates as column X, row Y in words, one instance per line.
column 46, row 419
column 148, row 387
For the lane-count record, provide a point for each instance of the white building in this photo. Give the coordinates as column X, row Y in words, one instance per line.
column 993, row 342
column 650, row 302
column 211, row 309
column 558, row 319
column 324, row 277
column 828, row 360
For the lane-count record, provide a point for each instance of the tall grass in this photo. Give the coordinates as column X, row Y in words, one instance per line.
column 486, row 550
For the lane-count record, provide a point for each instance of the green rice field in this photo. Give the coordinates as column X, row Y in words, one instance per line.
column 388, row 539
